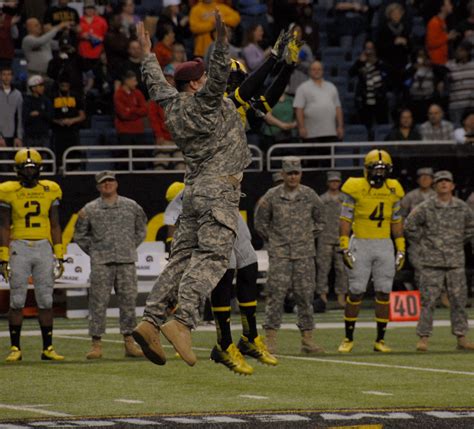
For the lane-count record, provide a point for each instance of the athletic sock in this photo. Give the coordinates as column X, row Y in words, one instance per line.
column 382, row 311
column 350, row 327
column 381, row 327
column 47, row 335
column 248, row 316
column 15, row 332
column 222, row 318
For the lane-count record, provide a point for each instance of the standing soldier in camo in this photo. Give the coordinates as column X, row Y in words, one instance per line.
column 328, row 254
column 109, row 229
column 289, row 218
column 440, row 227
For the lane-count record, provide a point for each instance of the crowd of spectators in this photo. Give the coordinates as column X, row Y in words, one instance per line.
column 406, row 63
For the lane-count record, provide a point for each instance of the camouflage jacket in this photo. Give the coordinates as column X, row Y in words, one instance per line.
column 290, row 225
column 332, row 210
column 439, row 232
column 470, row 201
column 205, row 126
column 111, row 233
column 413, row 198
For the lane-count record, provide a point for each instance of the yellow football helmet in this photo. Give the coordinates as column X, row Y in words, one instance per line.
column 28, row 165
column 238, row 73
column 173, row 190
column 378, row 167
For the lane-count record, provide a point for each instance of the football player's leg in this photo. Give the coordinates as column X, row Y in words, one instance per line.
column 220, row 300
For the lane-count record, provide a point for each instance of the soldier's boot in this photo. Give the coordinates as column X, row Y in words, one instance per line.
column 147, row 336
column 422, row 344
column 307, row 343
column 464, row 344
column 271, row 340
column 96, row 350
column 341, row 300
column 131, row 348
column 179, row 335
column 445, row 300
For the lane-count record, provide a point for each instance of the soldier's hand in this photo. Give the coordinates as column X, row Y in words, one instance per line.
column 399, row 260
column 143, row 38
column 5, row 270
column 348, row 258
column 58, row 268
column 221, row 30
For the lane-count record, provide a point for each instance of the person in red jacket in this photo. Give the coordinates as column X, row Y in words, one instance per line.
column 130, row 109
column 8, row 32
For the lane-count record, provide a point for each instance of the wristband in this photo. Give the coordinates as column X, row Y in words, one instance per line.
column 58, row 251
column 400, row 244
column 169, row 239
column 4, row 253
column 344, row 242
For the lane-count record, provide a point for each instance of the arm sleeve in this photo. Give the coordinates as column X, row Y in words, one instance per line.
column 347, row 210
column 36, row 42
column 81, row 232
column 122, row 108
column 19, row 119
column 396, row 212
column 435, row 35
column 140, row 226
column 158, row 88
column 262, row 218
column 413, row 228
column 319, row 216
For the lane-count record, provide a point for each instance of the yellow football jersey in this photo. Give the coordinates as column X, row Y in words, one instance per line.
column 30, row 208
column 371, row 210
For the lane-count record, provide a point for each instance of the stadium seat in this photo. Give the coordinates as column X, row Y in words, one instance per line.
column 381, row 131
column 355, row 133
column 100, row 122
column 95, row 137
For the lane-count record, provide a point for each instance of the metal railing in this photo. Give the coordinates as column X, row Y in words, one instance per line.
column 350, row 155
column 138, row 159
column 7, row 161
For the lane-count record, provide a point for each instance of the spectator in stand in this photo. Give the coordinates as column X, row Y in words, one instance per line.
column 93, row 31
column 371, row 91
column 37, row 46
column 394, row 42
column 465, row 134
column 202, row 23
column 465, row 28
column 163, row 49
column 11, row 105
column 170, row 15
column 318, row 108
column 37, row 115
column 133, row 64
column 252, row 13
column 55, row 15
column 116, row 48
column 252, row 52
column 281, row 126
column 351, row 22
column 67, row 117
column 129, row 19
column 179, row 56
column 99, row 89
column 67, row 62
column 437, row 35
column 306, row 58
column 405, row 129
column 8, row 33
column 130, row 110
column 436, row 128
column 460, row 82
column 420, row 80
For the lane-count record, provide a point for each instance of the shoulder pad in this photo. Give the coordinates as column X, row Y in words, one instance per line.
column 52, row 187
column 9, row 186
column 395, row 184
column 353, row 185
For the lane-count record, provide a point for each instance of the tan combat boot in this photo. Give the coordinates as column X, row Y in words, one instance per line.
column 179, row 335
column 422, row 344
column 307, row 343
column 96, row 350
column 131, row 348
column 464, row 344
column 271, row 340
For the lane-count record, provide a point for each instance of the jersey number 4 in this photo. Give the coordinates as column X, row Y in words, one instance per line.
column 35, row 205
column 377, row 215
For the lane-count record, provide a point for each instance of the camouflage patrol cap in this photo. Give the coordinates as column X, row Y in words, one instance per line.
column 428, row 171
column 104, row 175
column 443, row 175
column 334, row 176
column 277, row 177
column 291, row 163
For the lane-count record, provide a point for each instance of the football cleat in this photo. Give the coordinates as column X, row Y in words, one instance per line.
column 50, row 354
column 257, row 349
column 232, row 359
column 346, row 346
column 379, row 346
column 14, row 355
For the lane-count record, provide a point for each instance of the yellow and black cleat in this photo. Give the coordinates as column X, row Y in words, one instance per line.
column 379, row 346
column 14, row 355
column 257, row 349
column 232, row 359
column 346, row 346
column 50, row 354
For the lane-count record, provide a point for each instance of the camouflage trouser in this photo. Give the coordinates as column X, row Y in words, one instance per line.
column 123, row 279
column 413, row 257
column 283, row 275
column 432, row 283
column 328, row 254
column 200, row 254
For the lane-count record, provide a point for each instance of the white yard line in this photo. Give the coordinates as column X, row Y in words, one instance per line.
column 129, row 401
column 34, row 409
column 377, row 393
column 253, row 397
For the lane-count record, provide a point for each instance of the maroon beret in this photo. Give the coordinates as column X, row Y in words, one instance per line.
column 189, row 70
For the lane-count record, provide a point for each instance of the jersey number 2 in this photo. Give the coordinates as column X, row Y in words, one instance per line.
column 29, row 215
column 377, row 215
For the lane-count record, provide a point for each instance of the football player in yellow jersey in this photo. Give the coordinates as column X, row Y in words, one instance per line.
column 371, row 210
column 29, row 235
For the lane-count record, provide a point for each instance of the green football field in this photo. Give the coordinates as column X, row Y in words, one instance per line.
column 116, row 386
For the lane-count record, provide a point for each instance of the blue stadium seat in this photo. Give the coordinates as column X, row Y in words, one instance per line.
column 334, row 53
column 381, row 131
column 355, row 133
column 101, row 122
column 94, row 137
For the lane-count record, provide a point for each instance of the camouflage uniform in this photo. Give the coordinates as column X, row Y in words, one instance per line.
column 328, row 248
column 110, row 234
column 289, row 223
column 208, row 130
column 440, row 232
